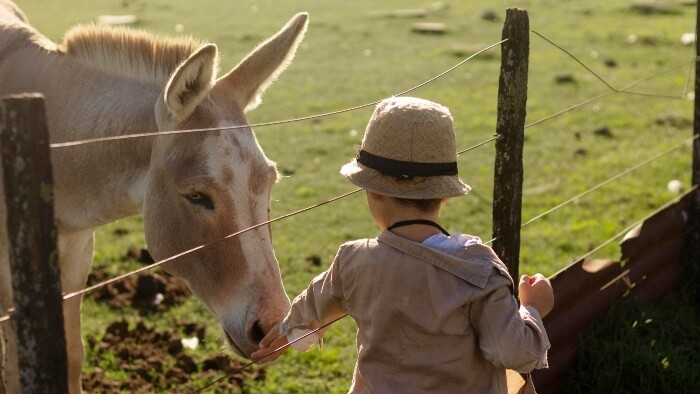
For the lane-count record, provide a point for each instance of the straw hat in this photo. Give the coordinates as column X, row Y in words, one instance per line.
column 408, row 151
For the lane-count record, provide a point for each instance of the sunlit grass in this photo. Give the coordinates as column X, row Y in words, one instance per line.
column 349, row 58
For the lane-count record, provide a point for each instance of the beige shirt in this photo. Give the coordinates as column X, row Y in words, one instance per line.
column 428, row 320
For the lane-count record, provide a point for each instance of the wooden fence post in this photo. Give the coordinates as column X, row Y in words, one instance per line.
column 692, row 241
column 38, row 318
column 510, row 126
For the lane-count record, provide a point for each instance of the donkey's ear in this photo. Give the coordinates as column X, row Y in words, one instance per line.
column 191, row 82
column 249, row 79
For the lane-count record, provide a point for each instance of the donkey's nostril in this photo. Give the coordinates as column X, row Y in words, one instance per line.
column 256, row 332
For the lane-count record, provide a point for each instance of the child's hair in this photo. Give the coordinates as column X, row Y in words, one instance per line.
column 427, row 205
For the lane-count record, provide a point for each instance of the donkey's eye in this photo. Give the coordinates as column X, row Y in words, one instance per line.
column 200, row 199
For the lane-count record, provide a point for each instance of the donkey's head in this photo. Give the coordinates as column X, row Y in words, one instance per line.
column 204, row 186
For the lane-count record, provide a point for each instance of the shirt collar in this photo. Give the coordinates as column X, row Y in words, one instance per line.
column 472, row 264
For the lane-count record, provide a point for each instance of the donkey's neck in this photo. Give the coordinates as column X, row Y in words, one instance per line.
column 100, row 182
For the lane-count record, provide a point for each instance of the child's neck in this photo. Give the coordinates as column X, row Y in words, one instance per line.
column 414, row 232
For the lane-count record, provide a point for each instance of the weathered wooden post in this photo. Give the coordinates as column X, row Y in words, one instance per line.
column 510, row 126
column 38, row 320
column 692, row 241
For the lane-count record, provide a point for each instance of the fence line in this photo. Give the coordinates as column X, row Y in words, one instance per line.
column 272, row 123
column 612, row 91
column 609, row 180
column 601, row 79
column 625, row 230
column 148, row 267
column 304, row 118
column 197, row 248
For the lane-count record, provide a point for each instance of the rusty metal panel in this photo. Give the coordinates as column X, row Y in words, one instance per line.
column 649, row 266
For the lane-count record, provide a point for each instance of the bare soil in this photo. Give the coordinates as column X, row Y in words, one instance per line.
column 153, row 358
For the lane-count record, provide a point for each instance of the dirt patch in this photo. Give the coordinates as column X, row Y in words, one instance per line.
column 154, row 360
column 150, row 291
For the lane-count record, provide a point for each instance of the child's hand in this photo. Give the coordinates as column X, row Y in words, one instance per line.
column 536, row 291
column 273, row 340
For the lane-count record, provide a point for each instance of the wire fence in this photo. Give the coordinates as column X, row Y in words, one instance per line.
column 612, row 91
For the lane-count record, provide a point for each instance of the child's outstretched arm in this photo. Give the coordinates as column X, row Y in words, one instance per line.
column 319, row 304
column 536, row 291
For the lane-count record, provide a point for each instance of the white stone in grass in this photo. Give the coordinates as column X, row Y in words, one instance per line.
column 114, row 20
column 190, row 343
column 688, row 39
column 675, row 186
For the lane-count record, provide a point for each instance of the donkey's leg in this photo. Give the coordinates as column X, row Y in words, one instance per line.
column 75, row 250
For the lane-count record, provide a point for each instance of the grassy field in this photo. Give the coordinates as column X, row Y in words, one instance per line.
column 351, row 56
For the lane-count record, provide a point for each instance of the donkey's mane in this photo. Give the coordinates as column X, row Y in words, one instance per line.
column 128, row 52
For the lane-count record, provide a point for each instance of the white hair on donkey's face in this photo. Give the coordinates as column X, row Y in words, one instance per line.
column 228, row 191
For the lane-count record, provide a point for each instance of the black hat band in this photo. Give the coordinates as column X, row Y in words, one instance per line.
column 405, row 169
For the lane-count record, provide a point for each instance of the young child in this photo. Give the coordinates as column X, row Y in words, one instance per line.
column 435, row 311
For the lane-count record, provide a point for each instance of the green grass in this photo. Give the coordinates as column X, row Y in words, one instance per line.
column 646, row 348
column 349, row 58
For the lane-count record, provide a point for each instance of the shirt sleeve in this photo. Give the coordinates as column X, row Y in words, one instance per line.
column 510, row 336
column 319, row 304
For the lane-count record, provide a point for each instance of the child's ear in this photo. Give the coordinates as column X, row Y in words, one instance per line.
column 444, row 200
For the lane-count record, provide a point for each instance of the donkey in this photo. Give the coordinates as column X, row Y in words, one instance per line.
column 191, row 189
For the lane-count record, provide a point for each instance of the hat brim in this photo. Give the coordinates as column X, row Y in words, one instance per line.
column 415, row 188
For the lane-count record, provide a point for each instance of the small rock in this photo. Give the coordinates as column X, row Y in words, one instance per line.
column 603, row 132
column 651, row 8
column 315, row 260
column 688, row 39
column 429, row 28
column 407, row 13
column 563, row 78
column 439, row 6
column 580, row 152
column 190, row 343
column 115, row 20
column 490, row 16
column 675, row 186
column 120, row 231
column 675, row 121
column 610, row 62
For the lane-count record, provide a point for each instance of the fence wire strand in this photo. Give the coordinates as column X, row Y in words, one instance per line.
column 625, row 231
column 609, row 180
column 200, row 247
column 611, row 92
column 263, row 124
column 601, row 79
column 275, row 351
